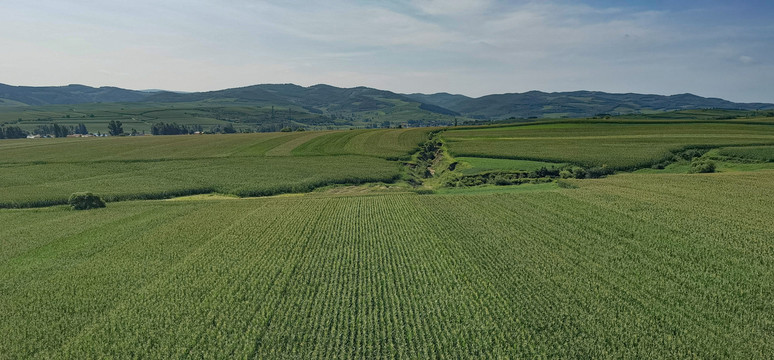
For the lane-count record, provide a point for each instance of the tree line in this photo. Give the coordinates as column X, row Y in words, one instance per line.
column 15, row 132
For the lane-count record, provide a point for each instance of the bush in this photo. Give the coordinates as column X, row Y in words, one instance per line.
column 702, row 166
column 579, row 172
column 85, row 201
column 691, row 154
column 544, row 172
column 424, row 191
column 598, row 172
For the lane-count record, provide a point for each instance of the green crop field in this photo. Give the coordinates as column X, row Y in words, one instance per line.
column 46, row 171
column 619, row 146
column 761, row 153
column 479, row 164
column 377, row 244
column 37, row 184
column 630, row 272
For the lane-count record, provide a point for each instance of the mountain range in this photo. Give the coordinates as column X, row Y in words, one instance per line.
column 326, row 99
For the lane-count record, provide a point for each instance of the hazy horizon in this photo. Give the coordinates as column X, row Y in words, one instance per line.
column 473, row 48
column 397, row 92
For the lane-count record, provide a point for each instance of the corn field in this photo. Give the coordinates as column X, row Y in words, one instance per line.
column 667, row 266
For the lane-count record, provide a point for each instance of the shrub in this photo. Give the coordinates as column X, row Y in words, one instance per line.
column 691, row 154
column 578, row 172
column 702, row 166
column 566, row 174
column 544, row 172
column 424, row 191
column 598, row 172
column 85, row 201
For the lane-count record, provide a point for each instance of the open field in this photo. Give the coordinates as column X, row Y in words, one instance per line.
column 49, row 184
column 653, row 264
column 395, row 143
column 391, row 144
column 629, row 273
column 480, row 164
column 619, row 146
column 46, row 171
column 760, row 153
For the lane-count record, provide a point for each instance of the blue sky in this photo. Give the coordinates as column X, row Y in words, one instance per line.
column 709, row 48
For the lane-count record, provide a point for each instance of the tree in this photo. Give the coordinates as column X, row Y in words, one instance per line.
column 81, row 129
column 229, row 129
column 85, row 201
column 60, row 131
column 115, row 128
column 14, row 132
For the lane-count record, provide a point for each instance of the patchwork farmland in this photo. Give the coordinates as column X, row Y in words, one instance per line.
column 364, row 250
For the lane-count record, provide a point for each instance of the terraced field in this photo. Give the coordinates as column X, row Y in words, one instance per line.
column 616, row 268
column 619, row 146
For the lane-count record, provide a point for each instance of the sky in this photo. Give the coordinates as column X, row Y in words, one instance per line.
column 709, row 48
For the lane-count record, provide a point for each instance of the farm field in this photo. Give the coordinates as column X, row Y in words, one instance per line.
column 50, row 184
column 46, row 171
column 480, row 164
column 396, row 143
column 658, row 263
column 760, row 153
column 629, row 273
column 617, row 145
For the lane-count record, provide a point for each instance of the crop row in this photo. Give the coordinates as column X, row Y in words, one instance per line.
column 628, row 266
column 385, row 143
column 759, row 153
column 52, row 183
column 618, row 146
column 391, row 144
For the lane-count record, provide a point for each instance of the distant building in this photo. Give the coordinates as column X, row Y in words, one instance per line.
column 35, row 136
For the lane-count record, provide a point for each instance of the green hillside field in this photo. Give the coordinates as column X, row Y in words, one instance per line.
column 362, row 252
column 616, row 145
column 46, row 171
column 208, row 114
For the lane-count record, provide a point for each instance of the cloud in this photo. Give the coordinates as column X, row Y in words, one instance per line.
column 469, row 47
column 452, row 7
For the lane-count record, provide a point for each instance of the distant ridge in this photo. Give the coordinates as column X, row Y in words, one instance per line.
column 319, row 98
column 575, row 104
column 70, row 94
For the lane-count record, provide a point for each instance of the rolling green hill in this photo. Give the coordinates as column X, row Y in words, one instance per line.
column 271, row 107
column 254, row 108
column 537, row 104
